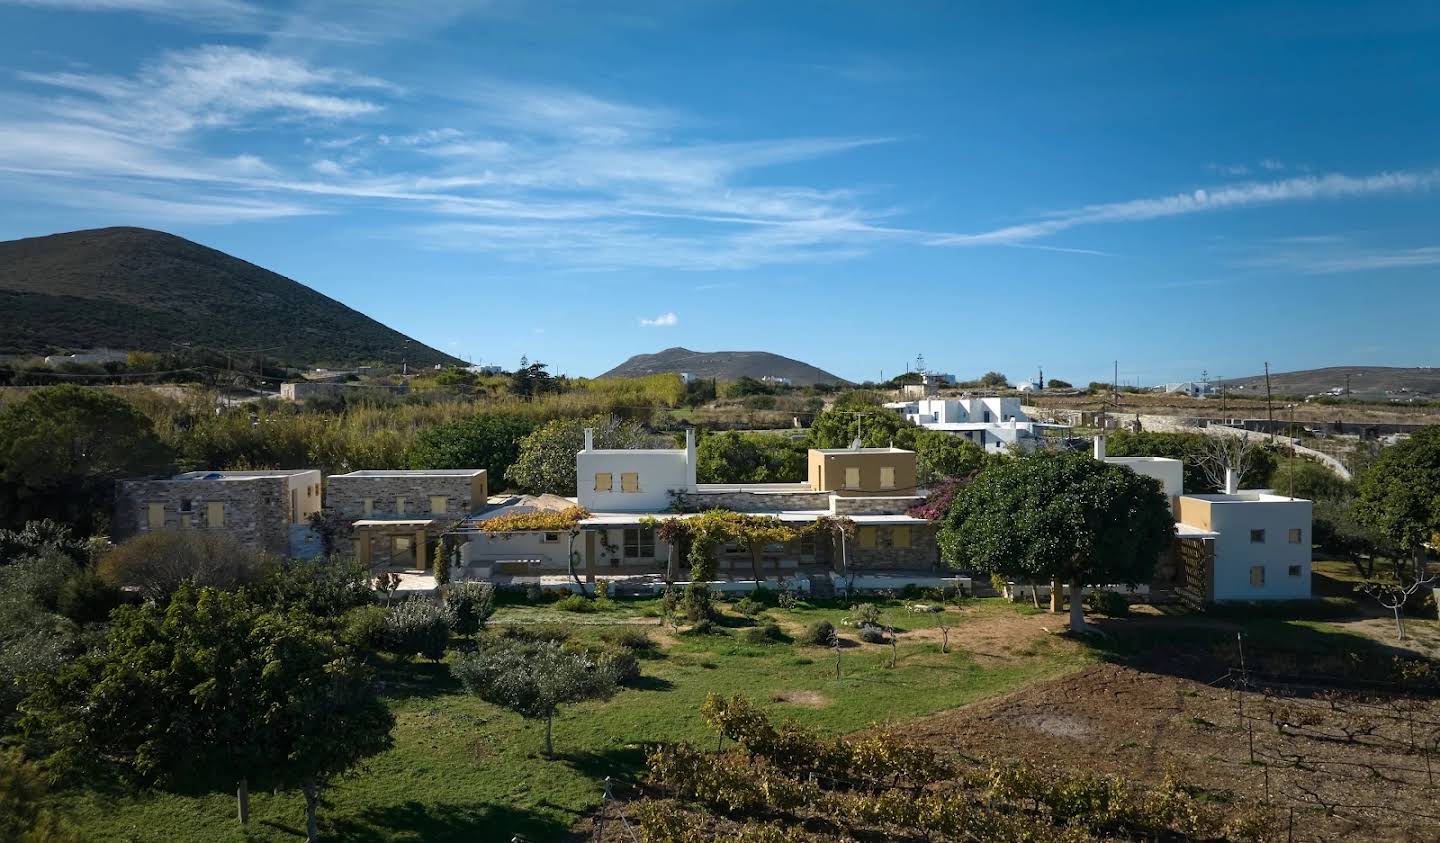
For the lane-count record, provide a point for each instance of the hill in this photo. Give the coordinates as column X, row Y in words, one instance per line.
column 1364, row 381
column 141, row 290
column 724, row 365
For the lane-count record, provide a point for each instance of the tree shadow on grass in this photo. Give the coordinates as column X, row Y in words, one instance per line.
column 417, row 680
column 442, row 822
column 650, row 683
column 621, row 763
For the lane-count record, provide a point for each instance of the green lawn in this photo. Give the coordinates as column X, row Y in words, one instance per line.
column 464, row 770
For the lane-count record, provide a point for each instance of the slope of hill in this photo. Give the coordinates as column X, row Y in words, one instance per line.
column 141, row 290
column 1367, row 381
column 723, row 365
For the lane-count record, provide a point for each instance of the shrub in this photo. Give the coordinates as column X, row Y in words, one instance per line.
column 39, row 579
column 764, row 634
column 696, row 603
column 764, row 596
column 617, row 662
column 441, row 570
column 872, row 634
column 325, row 588
column 472, row 603
column 704, row 626
column 866, row 614
column 630, row 637
column 85, row 598
column 363, row 628
column 1108, row 603
column 552, row 632
column 418, row 627
column 819, row 632
column 533, row 593
column 157, row 563
column 749, row 607
column 575, row 603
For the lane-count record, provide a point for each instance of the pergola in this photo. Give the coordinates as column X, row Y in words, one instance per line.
column 414, row 532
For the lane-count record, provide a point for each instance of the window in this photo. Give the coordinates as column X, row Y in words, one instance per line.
column 186, row 520
column 187, row 505
column 807, row 544
column 887, row 476
column 1257, row 575
column 1257, row 536
column 400, row 506
column 438, row 504
column 367, row 506
column 603, row 481
column 866, row 536
column 900, row 537
column 1294, row 570
column 549, row 538
column 155, row 516
column 852, row 478
column 215, row 514
column 1295, row 535
column 629, row 482
column 639, row 543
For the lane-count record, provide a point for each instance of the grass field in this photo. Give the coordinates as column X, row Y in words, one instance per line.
column 465, row 770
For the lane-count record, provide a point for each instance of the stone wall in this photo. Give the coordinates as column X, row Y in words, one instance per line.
column 737, row 501
column 923, row 554
column 345, row 495
column 257, row 509
column 895, row 505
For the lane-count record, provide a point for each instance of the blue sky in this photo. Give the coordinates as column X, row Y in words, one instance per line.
column 1181, row 187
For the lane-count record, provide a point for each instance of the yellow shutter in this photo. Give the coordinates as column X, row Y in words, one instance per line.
column 852, row 478
column 367, row 505
column 603, row 481
column 215, row 514
column 186, row 520
column 400, row 506
column 155, row 518
column 629, row 482
column 867, row 534
column 900, row 537
column 437, row 504
column 887, row 476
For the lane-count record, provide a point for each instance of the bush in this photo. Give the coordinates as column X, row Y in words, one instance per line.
column 441, row 569
column 618, row 663
column 575, row 603
column 157, row 563
column 764, row 634
column 39, row 579
column 533, row 593
column 819, row 632
column 418, row 627
column 696, row 603
column 704, row 626
column 630, row 637
column 1108, row 603
column 872, row 635
column 866, row 614
column 325, row 588
column 472, row 603
column 85, row 598
column 541, row 632
column 363, row 628
column 764, row 596
column 749, row 606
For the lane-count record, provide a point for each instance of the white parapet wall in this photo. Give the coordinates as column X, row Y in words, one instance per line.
column 870, row 583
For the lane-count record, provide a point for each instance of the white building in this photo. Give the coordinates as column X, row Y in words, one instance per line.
column 633, row 479
column 1257, row 545
column 1170, row 472
column 1194, row 389
column 775, row 380
column 994, row 423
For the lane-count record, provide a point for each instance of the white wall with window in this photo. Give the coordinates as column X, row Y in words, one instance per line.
column 1263, row 548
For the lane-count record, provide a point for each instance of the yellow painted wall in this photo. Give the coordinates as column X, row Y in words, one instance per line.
column 827, row 472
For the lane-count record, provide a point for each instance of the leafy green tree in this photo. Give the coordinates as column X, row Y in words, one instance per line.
column 546, row 462
column 879, row 427
column 1191, row 448
column 994, row 380
column 734, row 457
column 63, row 447
column 1056, row 383
column 39, row 536
column 208, row 691
column 1399, row 494
column 534, row 678
column 1303, row 478
column 324, row 588
column 531, row 379
column 1061, row 517
column 490, row 441
column 418, row 627
column 470, row 604
column 25, row 812
column 1337, row 527
column 941, row 456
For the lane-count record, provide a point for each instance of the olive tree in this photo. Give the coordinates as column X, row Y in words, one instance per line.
column 470, row 605
column 1061, row 517
column 534, row 678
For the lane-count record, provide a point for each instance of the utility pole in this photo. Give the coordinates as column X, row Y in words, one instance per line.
column 1269, row 408
column 1221, row 380
column 1347, row 383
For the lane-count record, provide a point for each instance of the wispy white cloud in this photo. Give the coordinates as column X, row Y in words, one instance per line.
column 1227, row 197
column 219, row 14
column 1333, row 261
column 664, row 320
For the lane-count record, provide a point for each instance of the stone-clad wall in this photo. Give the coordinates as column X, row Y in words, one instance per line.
column 257, row 509
column 923, row 553
column 753, row 502
column 345, row 495
column 894, row 505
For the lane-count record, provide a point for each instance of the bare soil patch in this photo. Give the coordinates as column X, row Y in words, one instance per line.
column 806, row 699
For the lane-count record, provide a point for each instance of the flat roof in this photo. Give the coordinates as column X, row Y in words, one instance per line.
column 415, row 472
column 757, row 488
column 680, row 451
column 792, row 516
column 398, row 522
column 243, row 475
column 1123, row 460
column 891, row 450
column 1249, row 496
column 1185, row 531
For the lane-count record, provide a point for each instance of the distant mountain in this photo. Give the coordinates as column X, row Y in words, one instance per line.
column 724, row 365
column 139, row 290
column 1370, row 381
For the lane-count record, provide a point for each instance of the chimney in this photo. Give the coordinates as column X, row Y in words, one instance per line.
column 589, row 438
column 1100, row 447
column 1232, row 481
column 690, row 458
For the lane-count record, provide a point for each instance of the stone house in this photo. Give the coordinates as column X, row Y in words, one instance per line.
column 267, row 510
column 396, row 517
